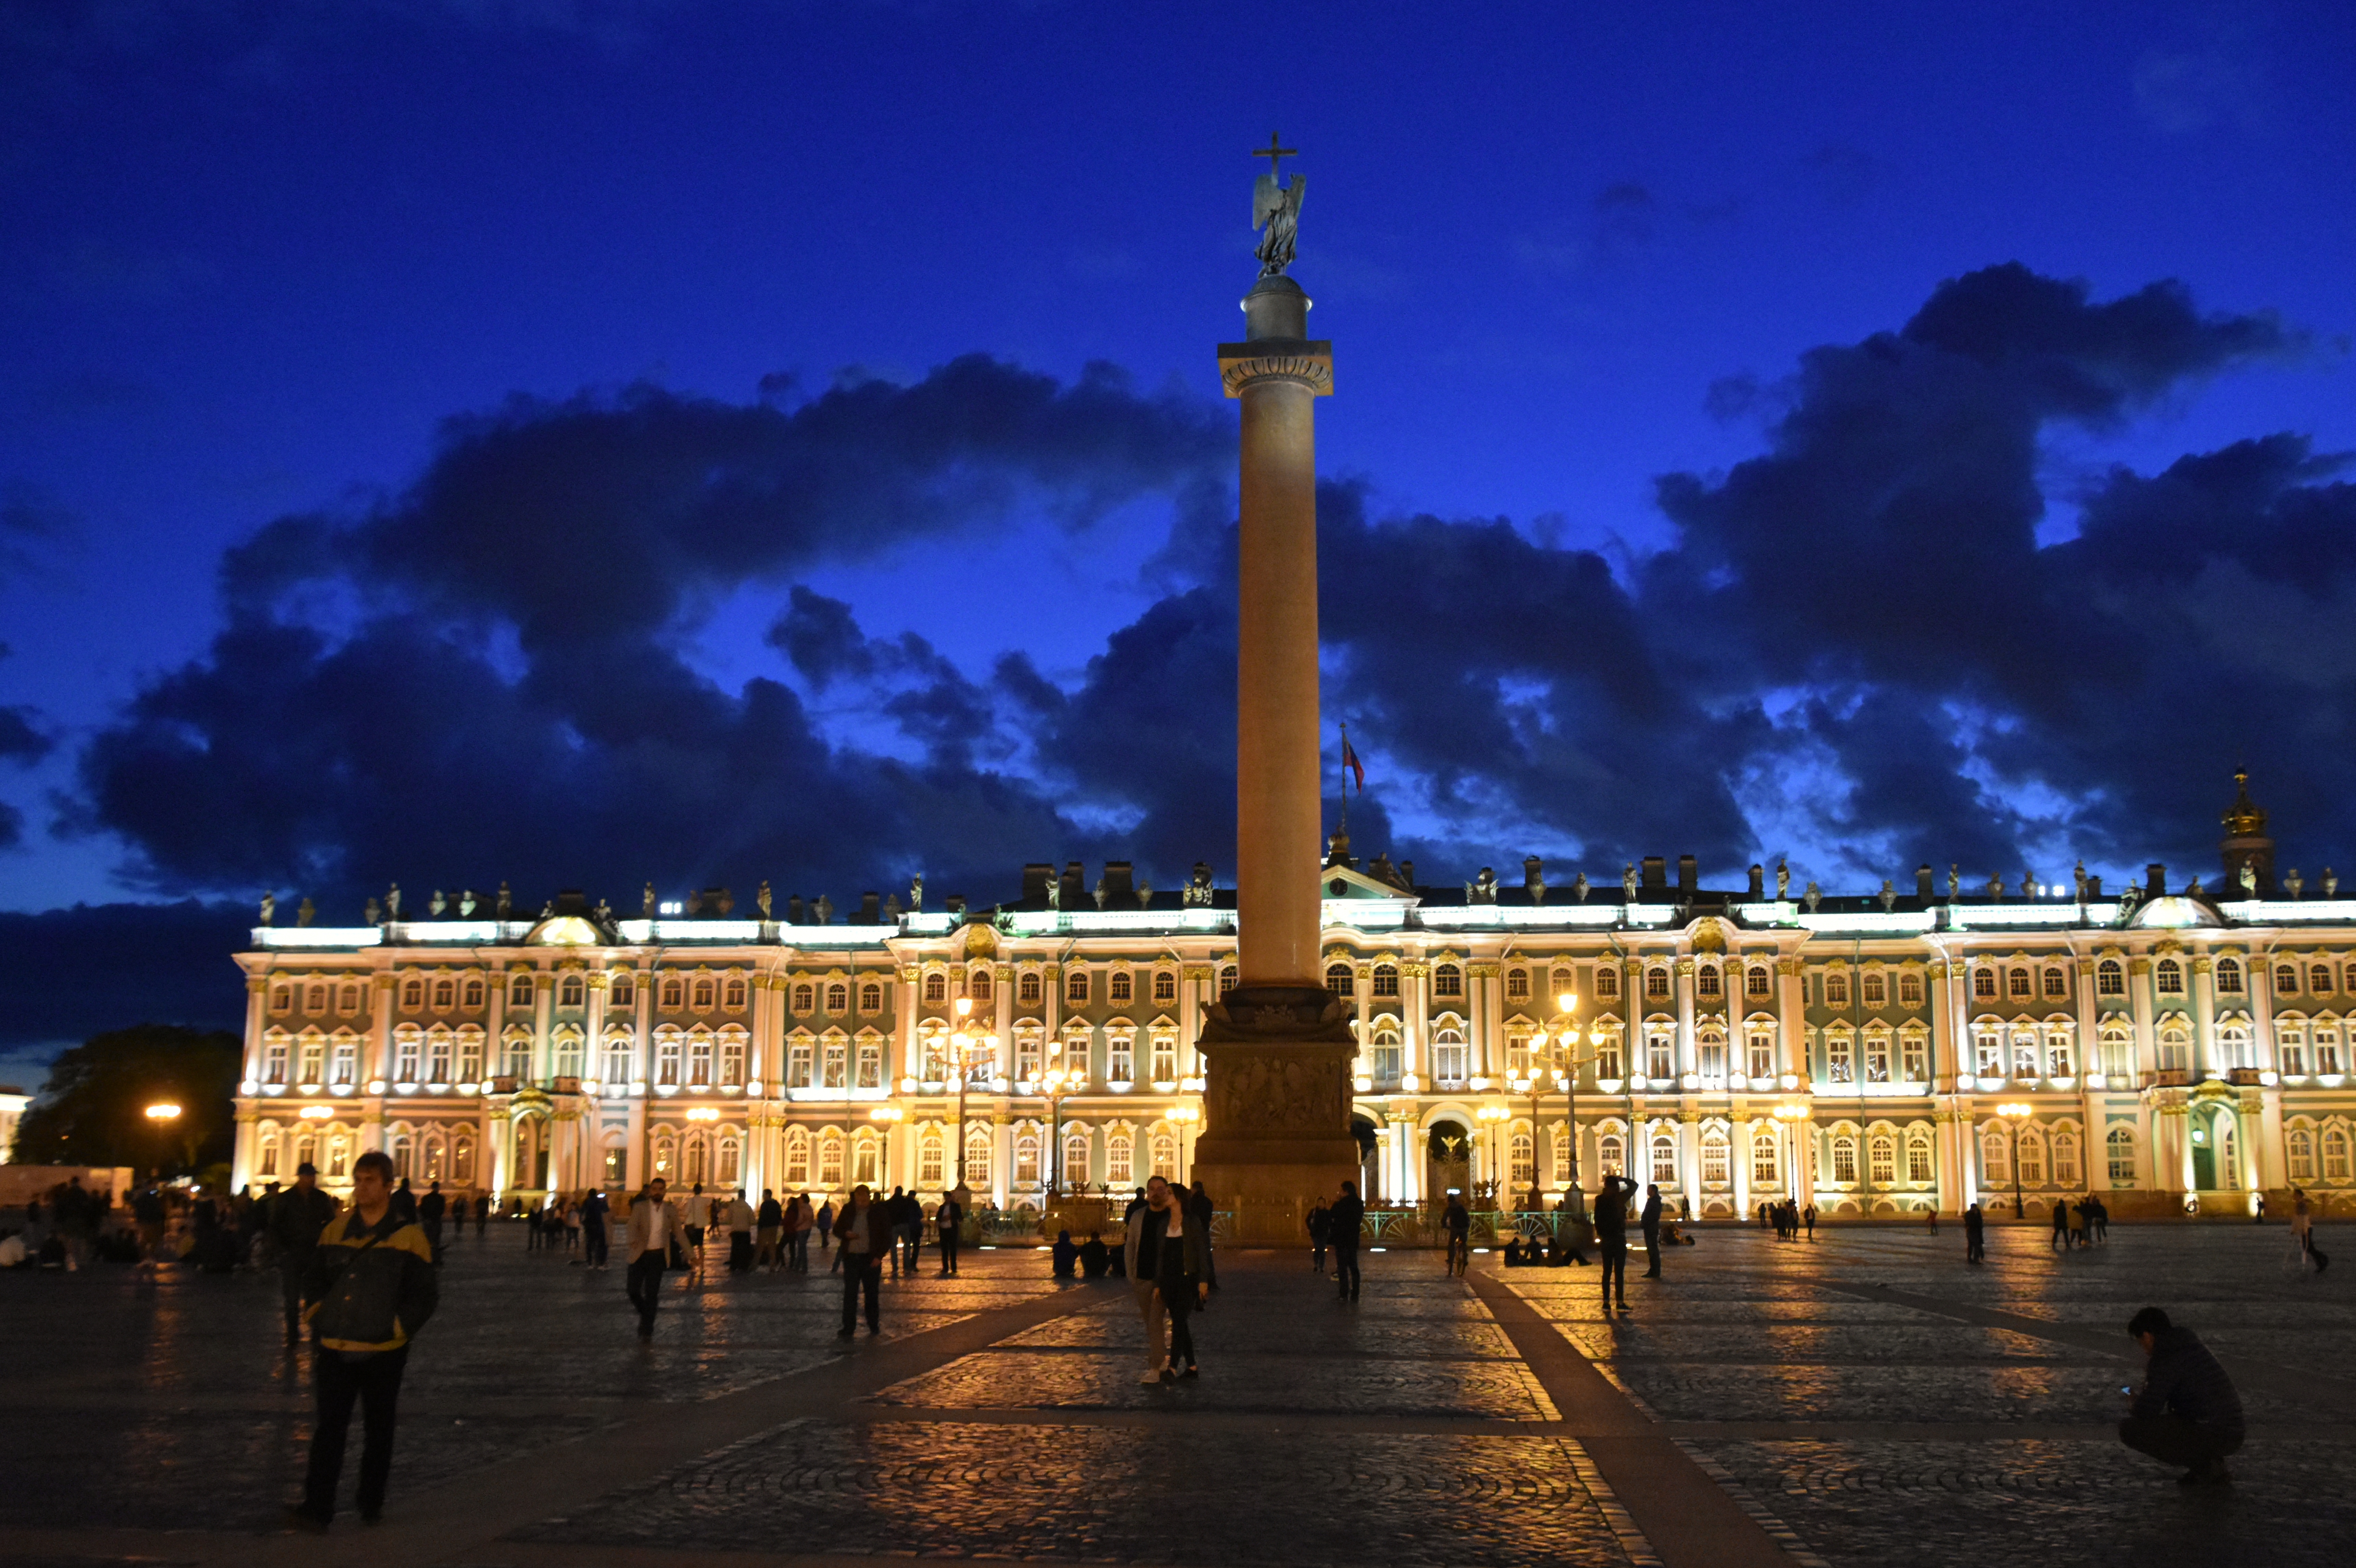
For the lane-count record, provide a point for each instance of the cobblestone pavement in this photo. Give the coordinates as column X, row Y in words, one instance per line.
column 1867, row 1398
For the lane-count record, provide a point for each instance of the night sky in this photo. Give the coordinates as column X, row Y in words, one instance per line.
column 588, row 444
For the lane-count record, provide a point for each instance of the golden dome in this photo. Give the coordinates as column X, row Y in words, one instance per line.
column 2243, row 818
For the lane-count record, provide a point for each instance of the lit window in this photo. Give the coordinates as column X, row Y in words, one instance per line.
column 1984, row 984
column 2229, row 978
column 1517, row 985
column 1656, row 983
column 1119, row 988
column 1756, row 981
column 2287, row 979
column 2110, row 978
column 1165, row 986
column 1448, row 980
column 870, row 995
column 2301, row 1145
column 1607, row 982
column 805, row 998
column 1026, row 989
column 936, row 987
column 1882, row 1155
column 1386, row 980
column 1918, row 1158
column 2170, row 977
column 1338, row 980
column 978, row 983
column 1075, row 986
column 1910, row 990
column 1844, row 1160
column 1706, row 981
column 1229, row 978
column 2016, row 984
column 2057, row 985
column 1836, row 989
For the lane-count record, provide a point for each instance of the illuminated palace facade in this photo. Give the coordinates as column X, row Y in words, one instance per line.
column 1881, row 1054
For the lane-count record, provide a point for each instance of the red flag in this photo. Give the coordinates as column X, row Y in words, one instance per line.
column 1350, row 760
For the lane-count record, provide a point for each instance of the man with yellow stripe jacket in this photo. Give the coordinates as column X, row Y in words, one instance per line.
column 369, row 1289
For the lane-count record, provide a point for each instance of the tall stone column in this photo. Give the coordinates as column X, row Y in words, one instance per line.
column 1277, row 1050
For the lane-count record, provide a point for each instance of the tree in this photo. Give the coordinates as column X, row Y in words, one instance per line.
column 94, row 1111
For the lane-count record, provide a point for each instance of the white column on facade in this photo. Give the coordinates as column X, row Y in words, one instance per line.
column 1954, row 1183
column 1001, row 987
column 1415, row 1017
column 257, row 990
column 1489, row 1053
column 543, row 1014
column 2089, row 1037
column 1689, row 1156
column 2270, row 1167
column 2139, row 998
column 904, row 1019
column 1791, row 1022
column 375, row 1057
column 1737, row 1133
column 494, row 995
column 1685, row 1060
column 593, row 1045
column 2259, row 976
column 2204, row 1021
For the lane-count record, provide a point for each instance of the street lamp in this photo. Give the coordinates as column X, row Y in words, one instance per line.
column 968, row 1042
column 1791, row 1114
column 1560, row 1059
column 2014, row 1112
column 1054, row 1081
column 162, row 1115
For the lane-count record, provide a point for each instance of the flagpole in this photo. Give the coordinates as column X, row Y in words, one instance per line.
column 1345, row 780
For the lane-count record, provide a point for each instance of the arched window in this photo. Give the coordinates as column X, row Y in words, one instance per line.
column 2175, row 1047
column 978, row 983
column 1758, row 981
column 573, row 992
column 2120, row 1144
column 1229, row 977
column 1521, row 1164
column 437, row 1054
column 622, row 992
column 1837, row 988
column 1451, row 1058
column 1714, row 1158
column 1918, row 1157
column 733, row 998
column 2228, row 976
column 705, row 993
column 732, row 1056
column 699, row 1059
column 2169, row 977
column 1075, row 986
column 1910, row 989
column 1165, row 986
column 1665, row 1159
column 870, row 995
column 1766, row 1160
column 1711, row 1045
column 2335, row 1155
column 2056, row 984
column 1165, row 1157
column 866, row 1161
column 1339, row 980
column 412, row 996
column 1706, row 981
column 2016, row 984
column 473, row 996
column 732, row 1160
column 1119, row 988
column 445, row 995
column 666, row 1157
column 1026, row 988
column 462, row 1160
column 805, row 998
column 931, row 1158
column 674, row 995
column 2032, row 1158
column 1026, row 1157
column 1386, row 980
column 2065, row 1159
column 667, row 1055
column 405, row 1154
column 406, row 1042
column 2351, row 986
column 829, row 1159
column 936, row 987
column 282, row 999
column 1120, row 1161
column 265, row 1154
column 838, row 999
column 519, row 991
column 976, row 1157
column 1517, row 985
column 1881, row 1155
column 1876, row 989
column 1984, row 984
column 1448, row 980
column 2318, row 978
column 1657, row 983
column 1610, row 1153
column 1844, row 1160
column 1075, row 1171
column 1607, row 982
column 2298, row 1142
column 1996, row 1156
column 2287, row 979
column 2110, row 979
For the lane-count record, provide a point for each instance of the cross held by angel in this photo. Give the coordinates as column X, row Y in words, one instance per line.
column 1276, row 211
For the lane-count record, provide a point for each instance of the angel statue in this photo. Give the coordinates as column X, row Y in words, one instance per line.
column 269, row 908
column 1275, row 213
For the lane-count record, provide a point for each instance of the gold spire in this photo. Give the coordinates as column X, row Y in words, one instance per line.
column 2243, row 818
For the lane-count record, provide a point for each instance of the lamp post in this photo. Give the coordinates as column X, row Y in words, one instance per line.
column 968, row 1042
column 1054, row 1081
column 2014, row 1112
column 1561, row 1060
column 162, row 1115
column 1793, row 1113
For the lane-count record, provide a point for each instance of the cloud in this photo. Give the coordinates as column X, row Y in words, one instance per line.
column 69, row 973
column 1854, row 648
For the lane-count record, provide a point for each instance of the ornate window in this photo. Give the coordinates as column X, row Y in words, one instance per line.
column 2016, row 984
column 2335, row 1155
column 1984, row 984
column 2299, row 1142
column 1165, row 986
column 1910, row 989
column 805, row 998
column 1386, row 980
column 1918, row 1156
column 936, row 987
column 1607, row 1056
column 1517, row 985
column 1710, row 1043
column 1075, row 1171
column 2032, row 1158
column 834, row 1063
column 2228, row 976
column 1075, row 984
column 867, row 1160
column 445, row 995
column 1559, row 1143
column 344, row 1064
column 2169, row 974
column 2318, row 978
column 1837, row 988
column 1026, row 1157
column 1165, row 1056
column 1665, row 1159
column 1877, row 1054
column 1607, row 982
column 704, row 994
column 699, row 1060
column 931, row 1160
column 1881, row 1157
column 732, row 1160
column 1914, row 1049
column 619, row 1068
column 571, row 992
column 1713, row 1158
column 666, row 1053
column 2056, row 984
column 1656, row 983
column 870, row 995
column 1758, row 981
column 1165, row 1149
column 1448, row 980
column 1844, row 1160
column 519, row 991
column 273, row 1059
column 437, row 1054
column 1610, row 1153
column 1996, row 1156
column 976, row 1157
column 266, row 1158
column 1840, row 1061
column 1706, row 982
column 978, row 983
column 829, row 1159
column 1339, row 980
column 2327, row 1049
column 1120, row 987
column 674, row 995
column 871, row 1063
column 1026, row 988
column 1766, row 1163
column 282, row 1000
column 1660, row 1048
column 2065, row 1159
column 2175, row 1046
column 622, row 992
column 800, row 1064
column 2110, row 978
column 412, row 996
column 1450, row 1057
column 1876, row 989
column 733, row 996
column 1521, row 1163
column 1228, row 978
column 1760, row 1046
column 732, row 1056
column 1120, row 1160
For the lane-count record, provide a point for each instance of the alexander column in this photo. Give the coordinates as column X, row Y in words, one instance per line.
column 1278, row 1049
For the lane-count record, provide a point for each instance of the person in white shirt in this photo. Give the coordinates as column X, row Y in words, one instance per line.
column 655, row 1228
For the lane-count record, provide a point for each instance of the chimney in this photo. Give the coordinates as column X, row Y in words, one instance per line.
column 1534, row 878
column 1656, row 871
column 794, row 909
column 1406, row 874
column 1758, row 882
column 2155, row 880
column 1922, row 884
column 870, row 909
column 1035, row 877
column 1075, row 885
column 956, row 905
column 1120, row 892
column 2095, row 887
column 1689, row 874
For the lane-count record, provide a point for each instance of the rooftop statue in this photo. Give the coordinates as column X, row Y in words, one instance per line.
column 269, row 908
column 1276, row 212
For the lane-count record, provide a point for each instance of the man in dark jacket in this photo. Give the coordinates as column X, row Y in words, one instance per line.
column 1343, row 1224
column 1321, row 1225
column 949, row 1217
column 2186, row 1412
column 1650, row 1221
column 296, row 1217
column 1975, row 1236
column 1200, row 1210
column 1611, row 1238
column 369, row 1289
column 429, row 1209
column 595, row 1245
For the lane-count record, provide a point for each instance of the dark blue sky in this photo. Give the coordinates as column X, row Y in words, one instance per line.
column 416, row 420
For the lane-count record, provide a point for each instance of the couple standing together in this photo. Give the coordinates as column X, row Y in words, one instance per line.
column 1169, row 1258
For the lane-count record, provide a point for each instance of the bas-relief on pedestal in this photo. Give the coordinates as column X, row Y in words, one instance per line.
column 1276, row 1110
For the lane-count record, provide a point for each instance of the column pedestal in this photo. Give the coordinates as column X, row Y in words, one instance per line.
column 1275, row 1132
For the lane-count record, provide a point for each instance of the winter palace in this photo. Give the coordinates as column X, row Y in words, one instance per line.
column 2174, row 1049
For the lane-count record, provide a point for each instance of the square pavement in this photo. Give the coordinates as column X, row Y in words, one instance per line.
column 1865, row 1398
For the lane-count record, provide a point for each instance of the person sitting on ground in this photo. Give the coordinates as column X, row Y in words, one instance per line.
column 2186, row 1412
column 1093, row 1257
column 1066, row 1255
column 1513, row 1253
column 1116, row 1259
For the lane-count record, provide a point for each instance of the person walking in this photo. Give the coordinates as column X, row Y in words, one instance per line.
column 1135, row 1251
column 2061, row 1225
column 1808, row 1217
column 863, row 1236
column 1180, row 1269
column 594, row 1209
column 1611, row 1238
column 1975, row 1236
column 482, row 1213
column 430, row 1210
column 656, row 1227
column 1650, row 1221
column 950, row 1219
column 2302, row 1231
column 404, row 1203
column 1320, row 1224
column 825, row 1234
column 1456, row 1224
column 768, row 1227
column 369, row 1288
column 2188, row 1411
column 1342, row 1229
column 800, row 1218
column 298, row 1216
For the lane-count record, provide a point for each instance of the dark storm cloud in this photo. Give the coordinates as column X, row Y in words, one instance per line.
column 69, row 973
column 1856, row 639
column 409, row 745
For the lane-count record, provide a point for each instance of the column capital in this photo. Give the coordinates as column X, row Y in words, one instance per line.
column 1307, row 362
column 256, row 984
